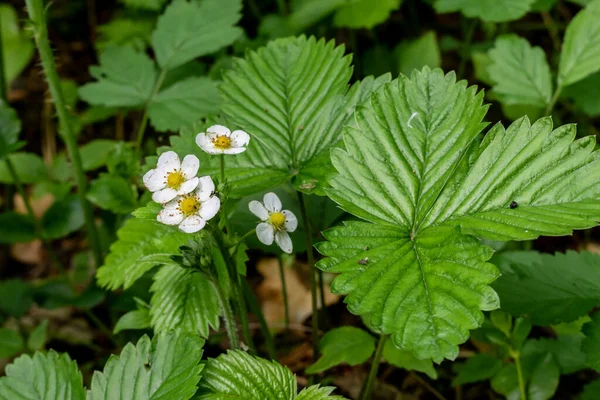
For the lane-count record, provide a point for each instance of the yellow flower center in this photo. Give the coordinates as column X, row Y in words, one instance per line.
column 175, row 179
column 189, row 205
column 222, row 142
column 277, row 219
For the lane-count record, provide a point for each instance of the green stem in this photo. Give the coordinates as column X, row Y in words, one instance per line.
column 100, row 325
column 35, row 9
column 239, row 242
column 222, row 168
column 142, row 128
column 466, row 49
column 368, row 387
column 553, row 100
column 284, row 292
column 313, row 279
column 230, row 324
column 3, row 85
column 517, row 357
column 552, row 29
column 255, row 308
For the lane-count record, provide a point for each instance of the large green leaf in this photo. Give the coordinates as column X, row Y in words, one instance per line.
column 358, row 14
column 183, row 301
column 407, row 360
column 520, row 73
column 548, row 289
column 30, row 168
column 166, row 368
column 292, row 97
column 17, row 47
column 190, row 29
column 238, row 375
column 415, row 54
column 44, row 376
column 140, row 244
column 580, row 54
column 586, row 94
column 345, row 344
column 414, row 169
column 480, row 367
column 591, row 343
column 487, row 10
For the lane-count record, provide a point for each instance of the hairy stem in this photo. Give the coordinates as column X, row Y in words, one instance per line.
column 517, row 357
column 230, row 324
column 313, row 278
column 142, row 128
column 255, row 308
column 284, row 293
column 35, row 9
column 368, row 387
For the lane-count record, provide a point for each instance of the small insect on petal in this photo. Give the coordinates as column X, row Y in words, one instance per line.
column 514, row 204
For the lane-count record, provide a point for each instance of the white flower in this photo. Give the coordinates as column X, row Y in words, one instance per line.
column 219, row 140
column 276, row 223
column 172, row 178
column 192, row 210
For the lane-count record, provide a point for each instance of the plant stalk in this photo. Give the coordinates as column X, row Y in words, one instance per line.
column 255, row 308
column 230, row 324
column 313, row 278
column 553, row 100
column 284, row 293
column 144, row 123
column 517, row 357
column 370, row 383
column 466, row 49
column 35, row 9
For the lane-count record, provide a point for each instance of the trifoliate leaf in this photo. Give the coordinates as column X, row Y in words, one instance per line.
column 17, row 47
column 580, row 55
column 10, row 127
column 183, row 301
column 480, row 367
column 125, row 78
column 548, row 289
column 591, row 343
column 413, row 168
column 183, row 103
column 520, row 73
column 136, row 319
column 361, row 13
column 586, row 94
column 166, row 368
column 113, row 193
column 43, row 376
column 406, row 360
column 190, row 29
column 343, row 345
column 132, row 254
column 292, row 97
column 416, row 54
column 238, row 375
column 487, row 10
column 30, row 168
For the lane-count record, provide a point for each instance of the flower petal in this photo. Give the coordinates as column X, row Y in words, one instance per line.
column 168, row 161
column 164, row 196
column 234, row 150
column 190, row 166
column 265, row 233
column 210, row 208
column 291, row 222
column 170, row 216
column 272, row 202
column 219, row 130
column 192, row 224
column 188, row 186
column 205, row 189
column 257, row 208
column 154, row 180
column 284, row 241
column 240, row 138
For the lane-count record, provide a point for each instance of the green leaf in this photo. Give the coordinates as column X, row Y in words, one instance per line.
column 487, row 10
column 549, row 289
column 183, row 301
column 131, row 256
column 238, row 375
column 580, row 55
column 136, row 319
column 125, row 78
column 153, row 5
column 95, row 153
column 358, row 14
column 567, row 352
column 406, row 360
column 62, row 218
column 502, row 321
column 166, row 368
column 188, row 30
column 125, row 32
column 113, row 193
column 149, row 211
column 586, row 94
column 44, row 376
column 292, row 97
column 591, row 391
column 11, row 343
column 415, row 54
column 480, row 367
column 343, row 345
column 520, row 73
column 591, row 343
column 16, row 228
column 10, row 127
column 543, row 5
column 520, row 332
column 183, row 103
column 17, row 47
column 16, row 295
column 38, row 336
column 30, row 168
